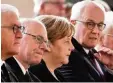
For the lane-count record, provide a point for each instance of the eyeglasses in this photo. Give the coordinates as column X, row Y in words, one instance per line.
column 39, row 39
column 15, row 28
column 91, row 25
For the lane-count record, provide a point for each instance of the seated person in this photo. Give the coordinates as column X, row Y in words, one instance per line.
column 106, row 42
column 60, row 32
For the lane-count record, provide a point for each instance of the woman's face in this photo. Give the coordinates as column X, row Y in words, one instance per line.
column 61, row 50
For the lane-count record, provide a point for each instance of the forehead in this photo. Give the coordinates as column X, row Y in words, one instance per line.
column 93, row 12
column 9, row 18
column 35, row 28
column 57, row 0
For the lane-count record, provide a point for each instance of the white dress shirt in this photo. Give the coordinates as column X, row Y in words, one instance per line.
column 21, row 66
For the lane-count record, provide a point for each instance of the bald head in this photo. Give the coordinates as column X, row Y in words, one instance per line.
column 33, row 26
column 79, row 8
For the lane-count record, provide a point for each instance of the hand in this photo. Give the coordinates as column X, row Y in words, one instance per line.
column 105, row 55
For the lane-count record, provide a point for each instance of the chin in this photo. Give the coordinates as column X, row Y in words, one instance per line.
column 35, row 62
column 13, row 52
column 66, row 62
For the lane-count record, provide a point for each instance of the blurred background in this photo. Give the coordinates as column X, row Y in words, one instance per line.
column 26, row 6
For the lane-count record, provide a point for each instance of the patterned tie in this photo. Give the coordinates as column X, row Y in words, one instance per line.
column 95, row 64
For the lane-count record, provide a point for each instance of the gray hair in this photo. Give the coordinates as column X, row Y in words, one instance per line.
column 108, row 22
column 78, row 8
column 9, row 8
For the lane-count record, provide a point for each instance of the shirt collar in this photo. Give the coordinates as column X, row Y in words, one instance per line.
column 86, row 50
column 21, row 66
column 2, row 62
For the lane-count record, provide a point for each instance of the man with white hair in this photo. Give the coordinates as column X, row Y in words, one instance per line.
column 33, row 44
column 106, row 41
column 49, row 7
column 88, row 17
column 10, row 39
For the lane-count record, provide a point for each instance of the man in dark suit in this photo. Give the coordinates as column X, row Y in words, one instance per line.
column 83, row 66
column 33, row 45
column 10, row 39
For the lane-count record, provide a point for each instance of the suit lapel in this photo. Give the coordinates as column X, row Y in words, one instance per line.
column 15, row 68
column 85, row 56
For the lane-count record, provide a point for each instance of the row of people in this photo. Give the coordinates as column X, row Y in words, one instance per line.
column 33, row 45
column 54, row 46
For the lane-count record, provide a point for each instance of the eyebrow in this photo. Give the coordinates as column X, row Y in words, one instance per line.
column 89, row 20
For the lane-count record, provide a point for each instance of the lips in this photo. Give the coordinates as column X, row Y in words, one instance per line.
column 17, row 43
column 94, row 38
column 40, row 53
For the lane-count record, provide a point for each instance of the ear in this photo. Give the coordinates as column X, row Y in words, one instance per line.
column 50, row 47
column 42, row 8
column 101, row 40
column 73, row 22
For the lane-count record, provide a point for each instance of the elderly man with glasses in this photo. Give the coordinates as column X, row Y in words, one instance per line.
column 33, row 45
column 11, row 34
column 88, row 17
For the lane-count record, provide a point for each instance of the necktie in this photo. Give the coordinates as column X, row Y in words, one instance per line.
column 95, row 63
column 28, row 77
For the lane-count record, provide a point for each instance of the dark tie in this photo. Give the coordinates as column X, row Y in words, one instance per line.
column 94, row 63
column 28, row 77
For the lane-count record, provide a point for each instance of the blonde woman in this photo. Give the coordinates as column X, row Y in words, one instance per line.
column 60, row 32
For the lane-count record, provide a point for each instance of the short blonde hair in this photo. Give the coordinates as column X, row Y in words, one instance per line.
column 57, row 27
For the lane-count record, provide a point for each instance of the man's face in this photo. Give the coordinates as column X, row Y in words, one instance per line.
column 33, row 47
column 54, row 7
column 89, row 37
column 10, row 41
column 108, row 40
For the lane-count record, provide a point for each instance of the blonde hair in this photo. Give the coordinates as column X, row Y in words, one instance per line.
column 57, row 27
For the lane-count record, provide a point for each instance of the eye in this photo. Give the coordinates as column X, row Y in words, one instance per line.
column 100, row 25
column 39, row 39
column 90, row 24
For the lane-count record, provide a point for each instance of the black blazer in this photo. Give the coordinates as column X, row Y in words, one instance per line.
column 7, row 75
column 80, row 69
column 42, row 72
column 18, row 72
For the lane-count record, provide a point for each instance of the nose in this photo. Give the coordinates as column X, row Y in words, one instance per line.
column 44, row 47
column 71, row 47
column 96, row 29
column 18, row 34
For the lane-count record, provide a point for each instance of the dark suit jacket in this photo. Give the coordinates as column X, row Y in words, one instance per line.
column 81, row 69
column 42, row 72
column 18, row 72
column 7, row 75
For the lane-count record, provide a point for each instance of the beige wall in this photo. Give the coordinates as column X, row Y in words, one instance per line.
column 25, row 7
